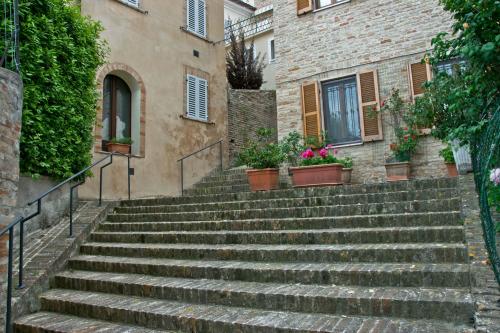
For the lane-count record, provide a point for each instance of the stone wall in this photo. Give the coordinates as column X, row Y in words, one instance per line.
column 248, row 110
column 343, row 40
column 262, row 3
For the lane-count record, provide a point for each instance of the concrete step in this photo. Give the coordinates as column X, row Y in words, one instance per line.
column 361, row 274
column 415, row 185
column 195, row 318
column 444, row 234
column 355, row 221
column 330, row 200
column 453, row 305
column 441, row 205
column 51, row 322
column 383, row 253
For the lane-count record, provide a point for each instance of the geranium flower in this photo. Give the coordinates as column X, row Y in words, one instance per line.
column 323, row 153
column 308, row 154
column 495, row 176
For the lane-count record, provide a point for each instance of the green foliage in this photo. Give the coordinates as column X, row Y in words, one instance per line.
column 319, row 160
column 292, row 146
column 123, row 141
column 60, row 53
column 460, row 105
column 244, row 70
column 347, row 162
column 402, row 120
column 447, row 154
column 263, row 153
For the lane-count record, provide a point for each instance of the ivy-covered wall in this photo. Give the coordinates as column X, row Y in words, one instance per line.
column 60, row 52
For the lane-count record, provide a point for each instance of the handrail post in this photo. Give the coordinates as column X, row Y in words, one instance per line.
column 20, row 285
column 8, row 312
column 220, row 152
column 71, row 190
column 128, row 174
column 182, row 177
column 100, row 177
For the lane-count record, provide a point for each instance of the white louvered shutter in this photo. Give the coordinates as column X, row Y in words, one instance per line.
column 134, row 3
column 201, row 28
column 203, row 99
column 191, row 15
column 191, row 97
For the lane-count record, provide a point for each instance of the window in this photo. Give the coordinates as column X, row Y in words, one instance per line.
column 326, row 3
column 196, row 17
column 197, row 98
column 450, row 67
column 341, row 111
column 117, row 110
column 133, row 3
column 272, row 54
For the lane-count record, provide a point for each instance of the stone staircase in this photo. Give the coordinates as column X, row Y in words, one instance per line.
column 360, row 258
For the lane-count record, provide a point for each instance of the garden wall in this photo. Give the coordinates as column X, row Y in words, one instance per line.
column 248, row 110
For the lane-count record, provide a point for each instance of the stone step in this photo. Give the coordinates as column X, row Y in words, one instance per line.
column 51, row 322
column 383, row 253
column 218, row 189
column 367, row 198
column 453, row 305
column 356, row 221
column 170, row 315
column 362, row 274
column 444, row 234
column 415, row 185
column 317, row 211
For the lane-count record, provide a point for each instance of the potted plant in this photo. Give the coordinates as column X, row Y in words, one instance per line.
column 449, row 160
column 321, row 169
column 120, row 145
column 406, row 137
column 346, row 170
column 264, row 157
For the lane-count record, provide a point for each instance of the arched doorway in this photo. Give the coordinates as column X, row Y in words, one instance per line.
column 117, row 110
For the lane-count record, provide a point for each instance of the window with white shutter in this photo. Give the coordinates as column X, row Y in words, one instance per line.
column 134, row 3
column 197, row 17
column 197, row 98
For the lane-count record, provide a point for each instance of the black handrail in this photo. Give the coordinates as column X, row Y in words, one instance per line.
column 220, row 142
column 21, row 220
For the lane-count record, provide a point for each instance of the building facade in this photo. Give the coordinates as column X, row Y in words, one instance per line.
column 338, row 59
column 163, row 87
column 256, row 19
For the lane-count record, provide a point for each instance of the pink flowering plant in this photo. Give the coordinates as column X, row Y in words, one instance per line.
column 324, row 156
column 494, row 192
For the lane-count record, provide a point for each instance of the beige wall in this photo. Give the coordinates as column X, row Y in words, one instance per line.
column 261, row 43
column 343, row 40
column 158, row 53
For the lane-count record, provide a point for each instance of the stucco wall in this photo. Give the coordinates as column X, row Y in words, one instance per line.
column 342, row 40
column 248, row 110
column 155, row 47
column 261, row 43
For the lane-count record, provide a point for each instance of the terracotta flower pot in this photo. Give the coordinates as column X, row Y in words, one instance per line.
column 119, row 148
column 452, row 169
column 397, row 171
column 263, row 180
column 317, row 175
column 346, row 175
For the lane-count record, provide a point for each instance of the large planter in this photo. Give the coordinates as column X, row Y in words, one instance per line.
column 119, row 148
column 346, row 175
column 397, row 171
column 263, row 180
column 452, row 169
column 317, row 175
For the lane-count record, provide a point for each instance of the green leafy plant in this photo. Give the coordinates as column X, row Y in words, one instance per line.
column 123, row 141
column 60, row 52
column 447, row 154
column 347, row 162
column 264, row 152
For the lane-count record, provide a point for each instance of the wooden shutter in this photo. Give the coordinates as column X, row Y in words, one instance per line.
column 369, row 102
column 304, row 6
column 201, row 29
column 418, row 74
column 311, row 110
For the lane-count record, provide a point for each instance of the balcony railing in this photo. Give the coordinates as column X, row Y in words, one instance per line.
column 250, row 27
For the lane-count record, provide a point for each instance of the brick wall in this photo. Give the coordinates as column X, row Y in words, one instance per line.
column 340, row 41
column 248, row 110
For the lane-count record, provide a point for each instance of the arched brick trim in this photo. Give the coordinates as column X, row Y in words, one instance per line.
column 116, row 68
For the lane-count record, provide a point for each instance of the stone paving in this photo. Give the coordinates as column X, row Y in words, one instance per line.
column 361, row 258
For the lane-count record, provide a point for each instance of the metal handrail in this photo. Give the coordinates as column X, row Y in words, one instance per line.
column 20, row 220
column 220, row 142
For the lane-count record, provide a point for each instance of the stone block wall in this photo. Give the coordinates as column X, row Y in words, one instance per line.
column 248, row 110
column 351, row 37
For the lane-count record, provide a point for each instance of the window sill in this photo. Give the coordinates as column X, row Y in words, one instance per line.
column 102, row 152
column 197, row 120
column 137, row 9
column 344, row 145
column 331, row 6
column 192, row 33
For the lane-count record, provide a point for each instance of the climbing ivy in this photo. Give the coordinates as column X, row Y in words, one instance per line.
column 60, row 52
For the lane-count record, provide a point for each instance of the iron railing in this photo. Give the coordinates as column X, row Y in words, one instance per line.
column 9, row 18
column 22, row 220
column 220, row 142
column 250, row 27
